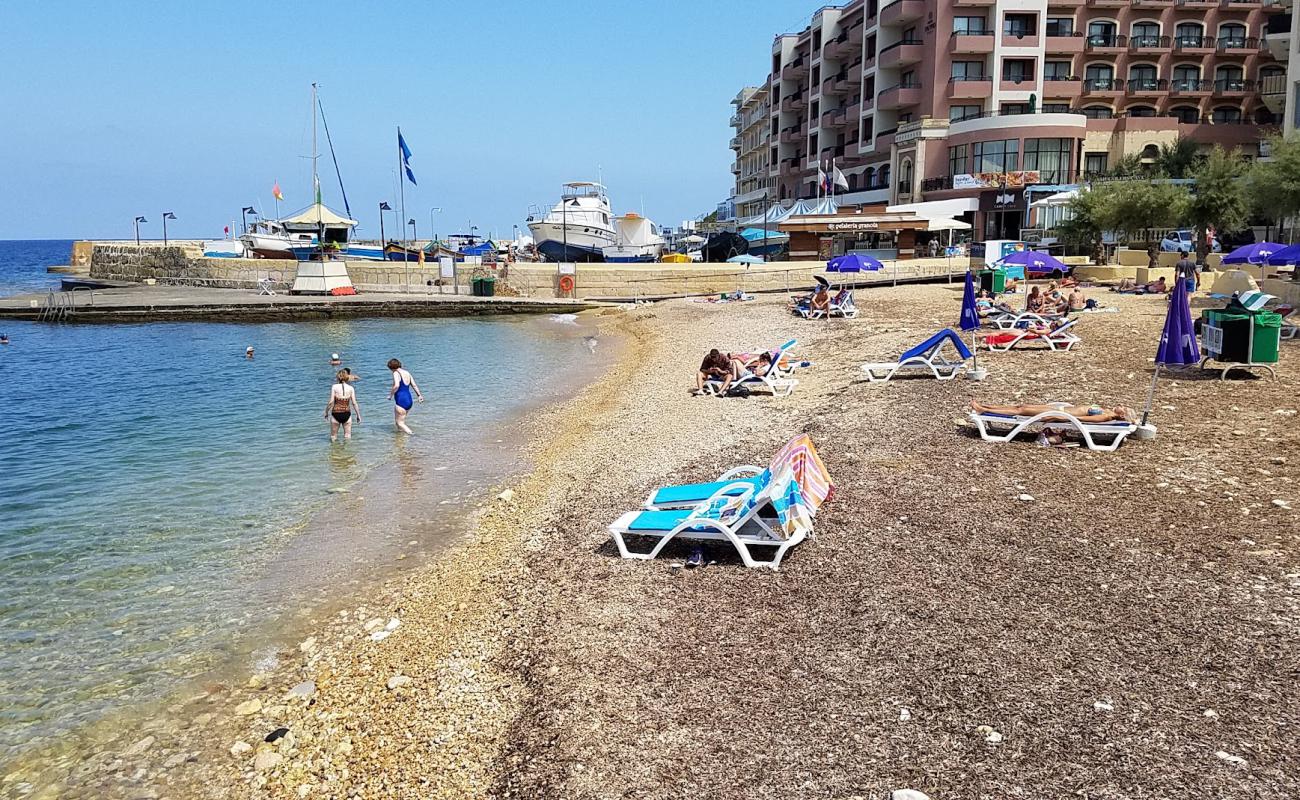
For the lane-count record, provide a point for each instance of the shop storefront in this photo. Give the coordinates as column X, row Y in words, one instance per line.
column 820, row 238
column 1001, row 212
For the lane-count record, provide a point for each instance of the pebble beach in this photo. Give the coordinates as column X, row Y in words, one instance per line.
column 971, row 620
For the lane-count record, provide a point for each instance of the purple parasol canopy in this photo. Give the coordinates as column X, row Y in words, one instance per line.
column 853, row 262
column 1178, row 340
column 1257, row 253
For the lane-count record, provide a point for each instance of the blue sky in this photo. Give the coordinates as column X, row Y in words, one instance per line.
column 118, row 109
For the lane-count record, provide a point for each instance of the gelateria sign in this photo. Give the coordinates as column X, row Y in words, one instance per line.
column 854, row 225
column 996, row 180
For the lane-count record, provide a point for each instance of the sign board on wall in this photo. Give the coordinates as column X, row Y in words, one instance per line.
column 996, row 180
column 853, row 226
column 1002, row 200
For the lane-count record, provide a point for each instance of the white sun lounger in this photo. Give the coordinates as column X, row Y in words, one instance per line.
column 1091, row 432
column 1008, row 321
column 927, row 358
column 755, row 527
column 841, row 305
column 780, row 382
column 1060, row 339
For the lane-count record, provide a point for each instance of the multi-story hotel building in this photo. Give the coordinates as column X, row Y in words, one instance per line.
column 750, row 141
column 975, row 101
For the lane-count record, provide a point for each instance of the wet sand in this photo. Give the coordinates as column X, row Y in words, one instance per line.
column 1131, row 630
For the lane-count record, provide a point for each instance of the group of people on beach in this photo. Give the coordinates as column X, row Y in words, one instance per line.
column 343, row 408
column 725, row 368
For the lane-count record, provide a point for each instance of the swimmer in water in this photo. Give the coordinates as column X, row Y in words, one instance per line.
column 335, row 360
column 248, row 353
column 4, row 338
column 401, row 392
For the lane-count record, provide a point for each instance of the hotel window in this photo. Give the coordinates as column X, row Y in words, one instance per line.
column 871, row 47
column 957, row 160
column 1145, row 34
column 1232, row 34
column 1188, row 34
column 902, row 118
column 969, row 25
column 1018, row 70
column 905, row 177
column 1094, row 163
column 1050, row 158
column 968, row 70
column 959, row 113
column 1056, row 71
column 999, row 156
column 1098, row 112
column 1187, row 78
column 1009, row 109
column 1019, row 25
column 1226, row 115
column 1140, row 111
column 1188, row 115
column 1060, row 26
column 1143, row 76
column 908, row 80
column 1229, row 79
column 910, row 37
column 1098, row 77
column 1102, row 34
column 1056, row 108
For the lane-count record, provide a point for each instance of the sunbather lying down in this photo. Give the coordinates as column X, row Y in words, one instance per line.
column 1094, row 414
column 1131, row 286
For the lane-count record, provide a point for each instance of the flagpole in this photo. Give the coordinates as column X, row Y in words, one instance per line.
column 401, row 188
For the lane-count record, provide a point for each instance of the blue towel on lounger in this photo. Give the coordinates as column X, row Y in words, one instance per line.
column 935, row 342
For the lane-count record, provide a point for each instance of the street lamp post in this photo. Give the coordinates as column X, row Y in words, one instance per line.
column 166, row 216
column 383, row 206
column 411, row 222
column 138, row 220
column 243, row 215
column 432, row 232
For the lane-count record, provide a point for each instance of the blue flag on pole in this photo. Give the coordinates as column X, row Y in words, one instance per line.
column 406, row 157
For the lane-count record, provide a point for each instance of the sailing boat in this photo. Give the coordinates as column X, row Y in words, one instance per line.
column 323, row 271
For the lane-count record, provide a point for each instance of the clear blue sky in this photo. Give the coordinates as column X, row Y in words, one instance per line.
column 113, row 110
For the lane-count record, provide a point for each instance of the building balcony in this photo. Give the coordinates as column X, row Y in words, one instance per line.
column 1148, row 43
column 735, row 143
column 1102, row 87
column 970, row 88
column 1023, row 84
column 1062, row 88
column 1239, row 46
column 1196, row 4
column 851, row 114
column 1195, row 45
column 788, row 169
column 1108, row 3
column 791, row 136
column 908, row 51
column 1106, row 44
column 793, row 104
column 868, row 103
column 901, row 11
column 735, row 168
column 1138, row 5
column 1143, row 87
column 839, row 48
column 971, row 42
column 1068, row 4
column 796, row 69
column 1030, row 40
column 900, row 96
column 974, row 3
column 1191, row 87
column 855, row 74
column 1273, row 90
column 1243, row 5
column 1064, row 45
column 735, row 121
column 1233, row 87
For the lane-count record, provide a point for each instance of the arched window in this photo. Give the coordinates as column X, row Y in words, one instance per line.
column 1232, row 35
column 1229, row 78
column 1145, row 34
column 1189, row 34
column 869, row 178
column 1149, row 154
column 853, row 182
column 1140, row 111
column 1188, row 115
column 1102, row 33
column 1098, row 112
column 1098, row 77
column 905, row 176
column 883, row 181
column 1187, row 78
column 1226, row 115
column 1142, row 77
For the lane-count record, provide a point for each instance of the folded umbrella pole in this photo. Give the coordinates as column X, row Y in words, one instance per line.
column 1177, row 341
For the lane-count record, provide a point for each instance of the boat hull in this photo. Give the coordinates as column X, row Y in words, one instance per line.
column 583, row 242
column 560, row 252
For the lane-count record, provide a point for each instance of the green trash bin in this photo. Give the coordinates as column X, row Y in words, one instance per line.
column 1268, row 334
column 476, row 287
column 1236, row 335
column 490, row 288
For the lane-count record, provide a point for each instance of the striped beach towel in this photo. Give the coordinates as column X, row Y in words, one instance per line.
column 799, row 485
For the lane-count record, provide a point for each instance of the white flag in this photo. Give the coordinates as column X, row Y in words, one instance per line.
column 840, row 180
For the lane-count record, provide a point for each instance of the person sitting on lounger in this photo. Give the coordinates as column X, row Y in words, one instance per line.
column 984, row 304
column 1088, row 414
column 821, row 301
column 759, row 365
column 715, row 367
column 1035, row 302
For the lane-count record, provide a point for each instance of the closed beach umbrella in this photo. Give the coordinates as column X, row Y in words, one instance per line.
column 1257, row 253
column 970, row 316
column 1177, row 340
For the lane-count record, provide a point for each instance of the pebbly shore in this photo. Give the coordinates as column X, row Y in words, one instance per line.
column 971, row 620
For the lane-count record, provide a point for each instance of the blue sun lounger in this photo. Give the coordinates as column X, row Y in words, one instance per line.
column 927, row 358
column 688, row 495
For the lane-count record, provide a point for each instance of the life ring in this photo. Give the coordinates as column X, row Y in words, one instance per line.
column 566, row 283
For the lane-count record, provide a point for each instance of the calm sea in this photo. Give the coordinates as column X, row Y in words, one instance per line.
column 163, row 500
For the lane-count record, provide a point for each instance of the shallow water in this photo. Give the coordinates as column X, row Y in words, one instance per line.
column 162, row 497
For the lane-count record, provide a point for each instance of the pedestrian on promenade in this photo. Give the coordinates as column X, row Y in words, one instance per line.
column 401, row 392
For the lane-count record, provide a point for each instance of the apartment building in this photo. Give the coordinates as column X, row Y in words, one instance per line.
column 750, row 141
column 977, row 103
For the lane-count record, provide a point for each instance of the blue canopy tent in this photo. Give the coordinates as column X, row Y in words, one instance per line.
column 480, row 249
column 765, row 242
column 1257, row 253
column 1177, row 340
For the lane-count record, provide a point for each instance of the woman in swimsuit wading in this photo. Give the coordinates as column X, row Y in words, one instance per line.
column 341, row 406
column 400, row 391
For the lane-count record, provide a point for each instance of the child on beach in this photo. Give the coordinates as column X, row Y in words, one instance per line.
column 341, row 406
column 401, row 391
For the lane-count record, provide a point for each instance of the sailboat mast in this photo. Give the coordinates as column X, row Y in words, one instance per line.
column 315, row 179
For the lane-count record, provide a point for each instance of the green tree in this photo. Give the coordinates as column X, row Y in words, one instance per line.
column 1138, row 207
column 1180, row 159
column 1273, row 186
column 1219, row 199
column 1085, row 222
column 1129, row 166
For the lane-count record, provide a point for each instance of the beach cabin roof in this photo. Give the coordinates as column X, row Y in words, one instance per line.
column 319, row 214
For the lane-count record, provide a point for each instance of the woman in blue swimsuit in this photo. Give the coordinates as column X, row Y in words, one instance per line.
column 401, row 392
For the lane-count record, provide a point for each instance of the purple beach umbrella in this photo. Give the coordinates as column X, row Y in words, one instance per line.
column 853, row 262
column 970, row 316
column 1258, row 253
column 1177, row 340
column 1284, row 256
column 1034, row 261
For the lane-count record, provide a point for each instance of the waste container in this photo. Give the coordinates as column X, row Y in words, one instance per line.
column 1268, row 333
column 489, row 288
column 993, row 280
column 476, row 287
column 1235, row 344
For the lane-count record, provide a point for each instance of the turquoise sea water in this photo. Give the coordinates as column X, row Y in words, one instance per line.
column 161, row 497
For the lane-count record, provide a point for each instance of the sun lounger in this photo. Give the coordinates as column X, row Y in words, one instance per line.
column 1022, row 319
column 1060, row 339
column 1290, row 330
column 778, row 380
column 688, row 495
column 841, row 305
column 927, row 358
column 775, row 510
column 1013, row 426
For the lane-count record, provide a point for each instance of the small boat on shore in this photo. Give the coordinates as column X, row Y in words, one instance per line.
column 638, row 241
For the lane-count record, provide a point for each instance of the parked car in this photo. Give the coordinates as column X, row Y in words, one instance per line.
column 1185, row 239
